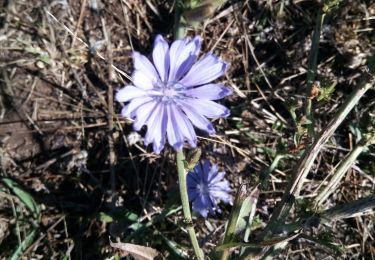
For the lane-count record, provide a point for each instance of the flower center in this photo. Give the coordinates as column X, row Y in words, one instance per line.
column 202, row 188
column 169, row 91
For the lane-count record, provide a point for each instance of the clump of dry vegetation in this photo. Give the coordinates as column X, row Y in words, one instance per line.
column 73, row 172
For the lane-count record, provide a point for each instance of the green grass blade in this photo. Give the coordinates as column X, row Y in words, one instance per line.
column 24, row 245
column 24, row 196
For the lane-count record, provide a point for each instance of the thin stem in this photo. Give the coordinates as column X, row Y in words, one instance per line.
column 180, row 31
column 185, row 204
column 311, row 73
column 264, row 179
column 180, row 27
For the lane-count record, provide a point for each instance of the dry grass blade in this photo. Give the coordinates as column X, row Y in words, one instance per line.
column 350, row 209
column 87, row 46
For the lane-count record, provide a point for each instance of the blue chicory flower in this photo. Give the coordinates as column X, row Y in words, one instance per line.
column 205, row 187
column 173, row 93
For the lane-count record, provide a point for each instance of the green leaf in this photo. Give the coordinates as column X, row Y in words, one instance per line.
column 24, row 196
column 245, row 210
column 139, row 227
column 247, row 213
column 24, row 245
column 201, row 10
column 292, row 105
column 174, row 248
column 104, row 217
column 326, row 92
column 131, row 216
column 44, row 57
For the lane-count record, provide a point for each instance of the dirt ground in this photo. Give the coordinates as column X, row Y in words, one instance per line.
column 62, row 139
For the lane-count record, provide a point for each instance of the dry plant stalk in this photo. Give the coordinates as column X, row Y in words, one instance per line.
column 338, row 173
column 306, row 162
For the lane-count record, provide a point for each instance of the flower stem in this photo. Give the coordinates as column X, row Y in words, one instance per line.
column 180, row 27
column 180, row 31
column 185, row 204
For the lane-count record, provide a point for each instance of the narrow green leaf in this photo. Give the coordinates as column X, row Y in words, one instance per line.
column 240, row 215
column 247, row 213
column 266, row 243
column 234, row 245
column 174, row 249
column 24, row 245
column 24, row 196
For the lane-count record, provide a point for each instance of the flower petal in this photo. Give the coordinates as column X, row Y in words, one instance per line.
column 141, row 80
column 129, row 92
column 156, row 128
column 175, row 137
column 206, row 172
column 160, row 56
column 194, row 176
column 221, row 186
column 201, row 205
column 182, row 56
column 205, row 70
column 197, row 119
column 130, row 109
column 208, row 108
column 215, row 176
column 209, row 92
column 192, row 194
column 185, row 127
column 143, row 64
column 223, row 195
column 143, row 113
column 198, row 169
column 192, row 179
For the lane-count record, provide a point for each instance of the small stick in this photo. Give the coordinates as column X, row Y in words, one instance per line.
column 110, row 113
column 111, row 75
column 81, row 13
